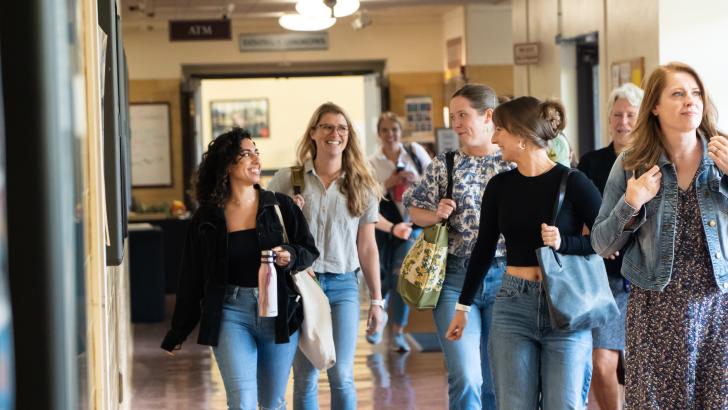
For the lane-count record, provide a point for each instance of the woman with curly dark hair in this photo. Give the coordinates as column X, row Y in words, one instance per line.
column 218, row 284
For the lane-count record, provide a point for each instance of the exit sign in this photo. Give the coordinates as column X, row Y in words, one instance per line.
column 199, row 30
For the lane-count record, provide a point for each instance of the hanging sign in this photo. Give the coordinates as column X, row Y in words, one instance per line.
column 283, row 41
column 199, row 30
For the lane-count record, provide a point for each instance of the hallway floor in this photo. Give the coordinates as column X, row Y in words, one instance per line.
column 190, row 379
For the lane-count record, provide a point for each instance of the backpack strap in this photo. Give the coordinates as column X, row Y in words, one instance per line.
column 297, row 181
column 415, row 158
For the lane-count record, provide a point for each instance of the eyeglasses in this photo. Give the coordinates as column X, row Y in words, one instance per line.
column 247, row 154
column 342, row 130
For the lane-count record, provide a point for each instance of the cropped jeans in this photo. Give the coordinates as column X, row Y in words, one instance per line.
column 470, row 384
column 254, row 368
column 528, row 357
column 342, row 289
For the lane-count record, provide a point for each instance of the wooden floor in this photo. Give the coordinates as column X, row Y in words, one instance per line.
column 190, row 380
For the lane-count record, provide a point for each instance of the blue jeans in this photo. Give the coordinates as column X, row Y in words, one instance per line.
column 470, row 385
column 254, row 368
column 391, row 266
column 528, row 357
column 342, row 289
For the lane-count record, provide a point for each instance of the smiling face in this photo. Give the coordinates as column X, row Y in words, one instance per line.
column 246, row 169
column 468, row 123
column 622, row 120
column 389, row 132
column 680, row 107
column 330, row 135
column 509, row 144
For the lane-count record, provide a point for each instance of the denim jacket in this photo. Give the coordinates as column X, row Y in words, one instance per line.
column 204, row 267
column 650, row 245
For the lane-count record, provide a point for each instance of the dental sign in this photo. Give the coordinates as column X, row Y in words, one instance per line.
column 199, row 30
column 283, row 41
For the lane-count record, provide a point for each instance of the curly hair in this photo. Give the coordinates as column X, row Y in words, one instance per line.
column 357, row 185
column 211, row 182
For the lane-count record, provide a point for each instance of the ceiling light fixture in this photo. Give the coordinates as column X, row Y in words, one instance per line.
column 298, row 22
column 322, row 8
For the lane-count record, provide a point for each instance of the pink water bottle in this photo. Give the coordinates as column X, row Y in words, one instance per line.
column 267, row 285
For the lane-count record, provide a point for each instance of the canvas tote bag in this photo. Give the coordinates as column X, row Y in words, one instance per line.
column 423, row 268
column 316, row 340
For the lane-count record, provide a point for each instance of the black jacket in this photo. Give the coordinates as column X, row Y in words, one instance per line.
column 203, row 275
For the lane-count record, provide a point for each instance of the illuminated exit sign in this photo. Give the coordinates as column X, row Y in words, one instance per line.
column 199, row 30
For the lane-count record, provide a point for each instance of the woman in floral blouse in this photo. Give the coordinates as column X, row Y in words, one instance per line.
column 476, row 162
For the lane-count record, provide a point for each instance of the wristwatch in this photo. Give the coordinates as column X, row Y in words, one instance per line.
column 377, row 302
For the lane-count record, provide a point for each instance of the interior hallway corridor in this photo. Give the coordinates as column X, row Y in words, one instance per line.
column 190, row 380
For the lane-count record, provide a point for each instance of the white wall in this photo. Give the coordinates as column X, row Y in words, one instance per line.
column 489, row 34
column 291, row 103
column 408, row 44
column 696, row 36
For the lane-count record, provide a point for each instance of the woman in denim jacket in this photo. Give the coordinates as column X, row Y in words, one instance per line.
column 218, row 283
column 666, row 200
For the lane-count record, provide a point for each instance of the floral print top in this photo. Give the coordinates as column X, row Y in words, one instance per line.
column 470, row 175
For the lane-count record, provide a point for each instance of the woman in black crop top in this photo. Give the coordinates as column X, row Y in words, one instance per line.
column 218, row 282
column 528, row 357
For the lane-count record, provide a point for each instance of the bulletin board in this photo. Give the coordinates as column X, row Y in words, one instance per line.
column 628, row 71
column 151, row 148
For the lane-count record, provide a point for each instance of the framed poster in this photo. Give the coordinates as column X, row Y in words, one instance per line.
column 626, row 71
column 446, row 140
column 419, row 114
column 251, row 114
column 151, row 147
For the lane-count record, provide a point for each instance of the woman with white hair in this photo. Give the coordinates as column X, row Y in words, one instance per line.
column 608, row 341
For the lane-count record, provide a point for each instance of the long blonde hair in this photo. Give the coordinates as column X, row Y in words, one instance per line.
column 357, row 185
column 647, row 140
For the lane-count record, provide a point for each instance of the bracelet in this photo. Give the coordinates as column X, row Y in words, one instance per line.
column 391, row 230
column 377, row 302
column 462, row 308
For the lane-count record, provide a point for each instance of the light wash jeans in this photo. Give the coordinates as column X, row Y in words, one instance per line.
column 470, row 384
column 398, row 309
column 528, row 357
column 254, row 368
column 342, row 289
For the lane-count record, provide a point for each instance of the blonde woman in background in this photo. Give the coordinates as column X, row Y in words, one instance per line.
column 396, row 166
column 340, row 201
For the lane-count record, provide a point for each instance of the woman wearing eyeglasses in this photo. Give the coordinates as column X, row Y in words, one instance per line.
column 340, row 200
column 218, row 284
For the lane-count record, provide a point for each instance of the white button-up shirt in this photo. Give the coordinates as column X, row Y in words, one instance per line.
column 332, row 226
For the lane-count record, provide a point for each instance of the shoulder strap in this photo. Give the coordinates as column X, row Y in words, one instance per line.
column 280, row 218
column 449, row 164
column 297, row 181
column 560, row 196
column 415, row 158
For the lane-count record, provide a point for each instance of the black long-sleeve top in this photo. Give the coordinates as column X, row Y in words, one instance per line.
column 516, row 205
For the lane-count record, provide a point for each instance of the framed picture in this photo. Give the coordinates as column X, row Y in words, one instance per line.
column 250, row 114
column 626, row 71
column 419, row 114
column 151, row 147
column 446, row 140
